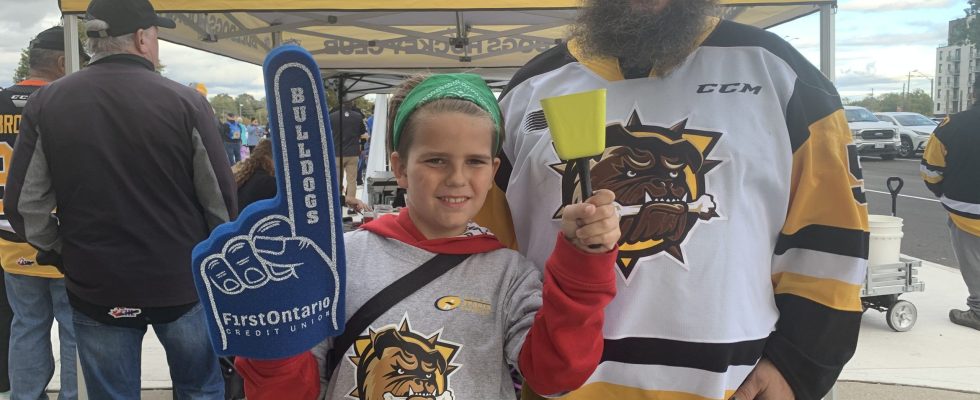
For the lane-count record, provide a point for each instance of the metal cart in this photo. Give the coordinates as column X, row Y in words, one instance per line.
column 884, row 283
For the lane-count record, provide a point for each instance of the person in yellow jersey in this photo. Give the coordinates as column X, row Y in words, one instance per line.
column 951, row 170
column 744, row 222
column 35, row 291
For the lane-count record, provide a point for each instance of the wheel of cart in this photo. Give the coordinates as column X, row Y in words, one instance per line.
column 901, row 316
column 885, row 282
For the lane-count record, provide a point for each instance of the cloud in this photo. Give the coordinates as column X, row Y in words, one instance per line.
column 892, row 5
column 21, row 22
column 220, row 74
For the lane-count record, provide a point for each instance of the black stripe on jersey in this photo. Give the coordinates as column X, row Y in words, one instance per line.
column 859, row 195
column 814, row 96
column 932, row 167
column 828, row 239
column 502, row 178
column 535, row 121
column 714, row 357
column 811, row 344
column 963, row 214
column 550, row 60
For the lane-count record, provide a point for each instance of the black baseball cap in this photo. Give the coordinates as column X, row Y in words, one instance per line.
column 54, row 39
column 124, row 16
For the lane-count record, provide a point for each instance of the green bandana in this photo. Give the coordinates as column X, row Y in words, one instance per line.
column 469, row 87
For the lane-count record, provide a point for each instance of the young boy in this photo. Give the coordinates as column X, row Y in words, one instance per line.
column 456, row 337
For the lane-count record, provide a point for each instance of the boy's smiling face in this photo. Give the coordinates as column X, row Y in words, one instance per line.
column 448, row 172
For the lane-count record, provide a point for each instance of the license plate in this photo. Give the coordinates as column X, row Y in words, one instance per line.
column 879, row 145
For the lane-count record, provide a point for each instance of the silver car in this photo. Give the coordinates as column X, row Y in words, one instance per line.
column 915, row 130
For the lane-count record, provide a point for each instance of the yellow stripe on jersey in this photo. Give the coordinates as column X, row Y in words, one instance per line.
column 605, row 390
column 495, row 216
column 819, row 195
column 970, row 225
column 828, row 292
column 935, row 153
column 20, row 259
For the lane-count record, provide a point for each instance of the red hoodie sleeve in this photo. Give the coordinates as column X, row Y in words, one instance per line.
column 567, row 331
column 295, row 378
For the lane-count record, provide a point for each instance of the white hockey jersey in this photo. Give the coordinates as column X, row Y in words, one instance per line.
column 744, row 219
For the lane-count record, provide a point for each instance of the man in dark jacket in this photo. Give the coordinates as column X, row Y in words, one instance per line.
column 134, row 194
column 951, row 169
column 36, row 292
column 348, row 127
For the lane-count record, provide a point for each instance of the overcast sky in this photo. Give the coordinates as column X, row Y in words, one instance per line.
column 878, row 43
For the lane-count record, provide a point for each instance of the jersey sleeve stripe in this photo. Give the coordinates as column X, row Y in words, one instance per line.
column 831, row 293
column 823, row 180
column 827, row 239
column 818, row 264
column 930, row 175
column 962, row 208
column 934, row 156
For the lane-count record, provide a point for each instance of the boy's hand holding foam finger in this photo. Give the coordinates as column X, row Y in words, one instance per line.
column 592, row 226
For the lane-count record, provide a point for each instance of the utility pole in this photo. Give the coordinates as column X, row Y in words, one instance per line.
column 908, row 90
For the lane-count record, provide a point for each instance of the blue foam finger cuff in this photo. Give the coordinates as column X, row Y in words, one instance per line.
column 284, row 296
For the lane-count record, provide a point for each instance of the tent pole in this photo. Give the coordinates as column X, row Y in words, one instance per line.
column 276, row 38
column 339, row 143
column 828, row 57
column 72, row 61
column 73, row 64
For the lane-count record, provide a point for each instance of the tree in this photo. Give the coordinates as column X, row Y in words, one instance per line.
column 224, row 104
column 23, row 68
column 918, row 101
column 972, row 34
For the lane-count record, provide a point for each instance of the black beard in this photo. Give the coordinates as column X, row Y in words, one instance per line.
column 642, row 39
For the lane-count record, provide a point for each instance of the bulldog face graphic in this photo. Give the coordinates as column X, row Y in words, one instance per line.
column 658, row 175
column 399, row 364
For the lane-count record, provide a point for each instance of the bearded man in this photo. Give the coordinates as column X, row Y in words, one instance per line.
column 745, row 233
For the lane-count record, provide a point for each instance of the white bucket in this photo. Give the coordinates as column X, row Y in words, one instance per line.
column 886, row 239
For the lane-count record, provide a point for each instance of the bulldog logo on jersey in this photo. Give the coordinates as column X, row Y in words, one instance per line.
column 658, row 175
column 396, row 363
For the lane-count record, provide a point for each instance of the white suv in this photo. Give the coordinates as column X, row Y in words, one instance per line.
column 915, row 130
column 872, row 137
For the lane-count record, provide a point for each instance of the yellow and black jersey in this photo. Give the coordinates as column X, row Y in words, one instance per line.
column 951, row 168
column 744, row 222
column 16, row 256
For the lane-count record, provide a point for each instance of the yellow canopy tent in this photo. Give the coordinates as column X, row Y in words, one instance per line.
column 376, row 42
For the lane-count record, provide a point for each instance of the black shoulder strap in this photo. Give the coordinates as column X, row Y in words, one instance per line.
column 387, row 298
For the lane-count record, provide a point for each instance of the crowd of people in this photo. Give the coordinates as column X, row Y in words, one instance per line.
column 720, row 256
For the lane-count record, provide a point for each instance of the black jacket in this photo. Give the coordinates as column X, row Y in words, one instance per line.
column 134, row 166
column 353, row 128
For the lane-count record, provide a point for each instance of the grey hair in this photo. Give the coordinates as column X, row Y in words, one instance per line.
column 101, row 47
column 43, row 60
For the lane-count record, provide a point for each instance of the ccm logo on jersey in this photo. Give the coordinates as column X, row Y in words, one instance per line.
column 728, row 88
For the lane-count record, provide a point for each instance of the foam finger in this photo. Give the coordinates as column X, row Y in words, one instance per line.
column 301, row 133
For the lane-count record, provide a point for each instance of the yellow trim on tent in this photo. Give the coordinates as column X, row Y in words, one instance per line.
column 79, row 6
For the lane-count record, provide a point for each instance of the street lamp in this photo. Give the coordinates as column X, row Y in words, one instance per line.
column 908, row 85
column 920, row 73
column 239, row 109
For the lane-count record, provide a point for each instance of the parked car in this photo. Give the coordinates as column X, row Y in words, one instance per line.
column 913, row 128
column 872, row 137
column 937, row 120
